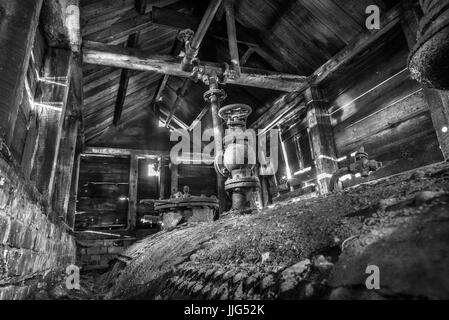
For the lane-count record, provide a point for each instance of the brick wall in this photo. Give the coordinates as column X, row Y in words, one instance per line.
column 34, row 248
column 99, row 253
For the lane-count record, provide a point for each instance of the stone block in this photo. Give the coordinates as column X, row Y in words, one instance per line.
column 21, row 293
column 29, row 238
column 16, row 234
column 5, row 227
column 7, row 293
column 93, row 250
column 115, row 250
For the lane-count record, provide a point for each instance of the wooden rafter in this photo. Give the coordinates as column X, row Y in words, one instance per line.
column 133, row 41
column 173, row 19
column 358, row 45
column 124, row 80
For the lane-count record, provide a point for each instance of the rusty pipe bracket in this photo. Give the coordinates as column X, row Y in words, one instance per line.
column 190, row 55
column 232, row 72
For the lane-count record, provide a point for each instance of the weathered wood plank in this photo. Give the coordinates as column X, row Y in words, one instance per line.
column 122, row 152
column 390, row 20
column 173, row 178
column 132, row 202
column 438, row 101
column 71, row 210
column 64, row 169
column 29, row 152
column 385, row 118
column 321, row 138
column 51, row 104
column 19, row 20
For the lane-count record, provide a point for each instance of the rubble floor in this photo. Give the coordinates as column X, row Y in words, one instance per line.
column 318, row 248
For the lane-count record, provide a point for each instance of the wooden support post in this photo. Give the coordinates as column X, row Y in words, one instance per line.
column 132, row 202
column 18, row 24
column 174, row 178
column 437, row 101
column 265, row 191
column 68, row 144
column 71, row 210
column 321, row 137
column 51, row 105
column 162, row 177
column 66, row 158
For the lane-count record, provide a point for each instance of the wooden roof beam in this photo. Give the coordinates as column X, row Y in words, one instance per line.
column 124, row 81
column 358, row 45
column 173, row 19
column 133, row 41
column 282, row 105
column 116, row 56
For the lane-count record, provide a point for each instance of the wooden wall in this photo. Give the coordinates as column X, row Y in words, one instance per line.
column 103, row 183
column 202, row 179
column 374, row 103
column 24, row 114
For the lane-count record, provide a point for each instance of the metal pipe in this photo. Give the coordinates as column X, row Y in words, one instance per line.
column 193, row 46
column 232, row 37
column 215, row 100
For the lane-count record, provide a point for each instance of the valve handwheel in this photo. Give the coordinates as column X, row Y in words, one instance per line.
column 235, row 112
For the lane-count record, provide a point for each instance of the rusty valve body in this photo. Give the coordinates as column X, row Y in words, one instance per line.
column 238, row 161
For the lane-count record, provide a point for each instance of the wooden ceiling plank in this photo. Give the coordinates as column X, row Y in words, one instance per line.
column 108, row 100
column 177, row 20
column 107, row 91
column 358, row 45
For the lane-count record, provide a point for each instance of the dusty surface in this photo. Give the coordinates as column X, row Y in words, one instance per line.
column 313, row 249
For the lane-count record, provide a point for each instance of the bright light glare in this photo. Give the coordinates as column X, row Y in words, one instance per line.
column 152, row 172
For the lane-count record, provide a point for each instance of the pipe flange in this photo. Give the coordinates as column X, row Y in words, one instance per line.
column 248, row 182
column 210, row 94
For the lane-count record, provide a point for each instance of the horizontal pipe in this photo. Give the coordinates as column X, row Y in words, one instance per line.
column 119, row 57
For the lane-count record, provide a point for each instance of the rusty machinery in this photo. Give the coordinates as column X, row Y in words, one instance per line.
column 237, row 162
column 429, row 58
column 184, row 207
column 361, row 165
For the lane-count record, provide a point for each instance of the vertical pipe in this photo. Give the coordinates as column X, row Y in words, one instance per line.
column 194, row 45
column 218, row 139
column 232, row 36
